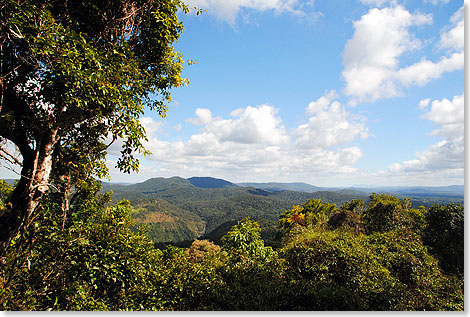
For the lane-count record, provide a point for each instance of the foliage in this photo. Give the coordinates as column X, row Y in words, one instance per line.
column 167, row 222
column 5, row 193
column 313, row 212
column 444, row 234
column 200, row 250
column 251, row 271
column 348, row 220
column 384, row 271
column 76, row 78
column 245, row 238
column 386, row 213
column 95, row 262
column 356, row 205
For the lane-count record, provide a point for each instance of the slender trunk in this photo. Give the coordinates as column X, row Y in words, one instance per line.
column 65, row 198
column 29, row 191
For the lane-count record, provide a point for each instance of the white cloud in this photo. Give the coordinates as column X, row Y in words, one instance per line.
column 424, row 103
column 436, row 2
column 321, row 103
column 252, row 125
column 452, row 36
column 422, row 72
column 227, row 10
column 371, row 58
column 330, row 125
column 253, row 142
column 377, row 3
column 150, row 125
column 449, row 116
column 203, row 116
column 445, row 156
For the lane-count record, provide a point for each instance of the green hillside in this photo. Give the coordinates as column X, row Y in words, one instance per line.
column 167, row 222
column 176, row 210
column 187, row 208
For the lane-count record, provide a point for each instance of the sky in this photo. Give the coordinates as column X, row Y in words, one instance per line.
column 327, row 92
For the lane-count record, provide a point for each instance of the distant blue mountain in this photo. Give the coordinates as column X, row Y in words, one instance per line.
column 418, row 191
column 277, row 187
column 210, row 182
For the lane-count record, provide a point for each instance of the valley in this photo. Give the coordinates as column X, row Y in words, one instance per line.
column 179, row 210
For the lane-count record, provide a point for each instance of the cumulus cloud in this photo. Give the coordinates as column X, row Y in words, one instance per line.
column 452, row 37
column 424, row 103
column 449, row 117
column 227, row 10
column 252, row 125
column 321, row 103
column 150, row 125
column 445, row 156
column 203, row 116
column 371, row 58
column 425, row 70
column 254, row 140
column 330, row 124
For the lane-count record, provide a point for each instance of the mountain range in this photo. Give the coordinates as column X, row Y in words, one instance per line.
column 178, row 209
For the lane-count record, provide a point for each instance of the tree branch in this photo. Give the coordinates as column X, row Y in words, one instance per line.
column 9, row 157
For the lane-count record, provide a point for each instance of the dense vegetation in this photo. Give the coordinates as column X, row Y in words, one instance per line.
column 381, row 256
column 76, row 77
column 215, row 205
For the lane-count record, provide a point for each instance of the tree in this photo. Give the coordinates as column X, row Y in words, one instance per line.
column 341, row 270
column 355, row 205
column 96, row 263
column 75, row 77
column 386, row 213
column 245, row 238
column 444, row 233
column 313, row 212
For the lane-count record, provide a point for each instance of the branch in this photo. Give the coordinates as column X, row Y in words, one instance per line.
column 9, row 157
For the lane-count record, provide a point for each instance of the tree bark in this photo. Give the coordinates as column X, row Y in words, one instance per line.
column 34, row 182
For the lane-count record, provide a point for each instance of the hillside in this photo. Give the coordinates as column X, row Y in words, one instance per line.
column 210, row 182
column 275, row 187
column 167, row 222
column 179, row 209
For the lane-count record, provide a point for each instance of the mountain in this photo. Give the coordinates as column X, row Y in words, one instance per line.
column 276, row 187
column 453, row 191
column 210, row 182
column 155, row 185
column 178, row 209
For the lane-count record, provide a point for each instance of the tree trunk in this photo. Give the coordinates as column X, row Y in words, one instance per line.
column 34, row 182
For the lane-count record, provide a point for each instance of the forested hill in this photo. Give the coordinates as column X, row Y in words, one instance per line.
column 184, row 209
column 210, row 182
column 273, row 186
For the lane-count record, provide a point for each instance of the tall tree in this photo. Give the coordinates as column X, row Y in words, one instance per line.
column 76, row 76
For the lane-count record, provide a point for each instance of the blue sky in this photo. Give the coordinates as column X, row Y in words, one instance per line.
column 328, row 92
column 332, row 93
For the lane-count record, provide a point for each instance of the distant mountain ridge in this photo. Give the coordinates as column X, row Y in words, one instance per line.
column 179, row 209
column 210, row 182
column 273, row 186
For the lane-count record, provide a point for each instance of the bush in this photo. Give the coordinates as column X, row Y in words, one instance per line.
column 383, row 271
column 386, row 213
column 444, row 234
